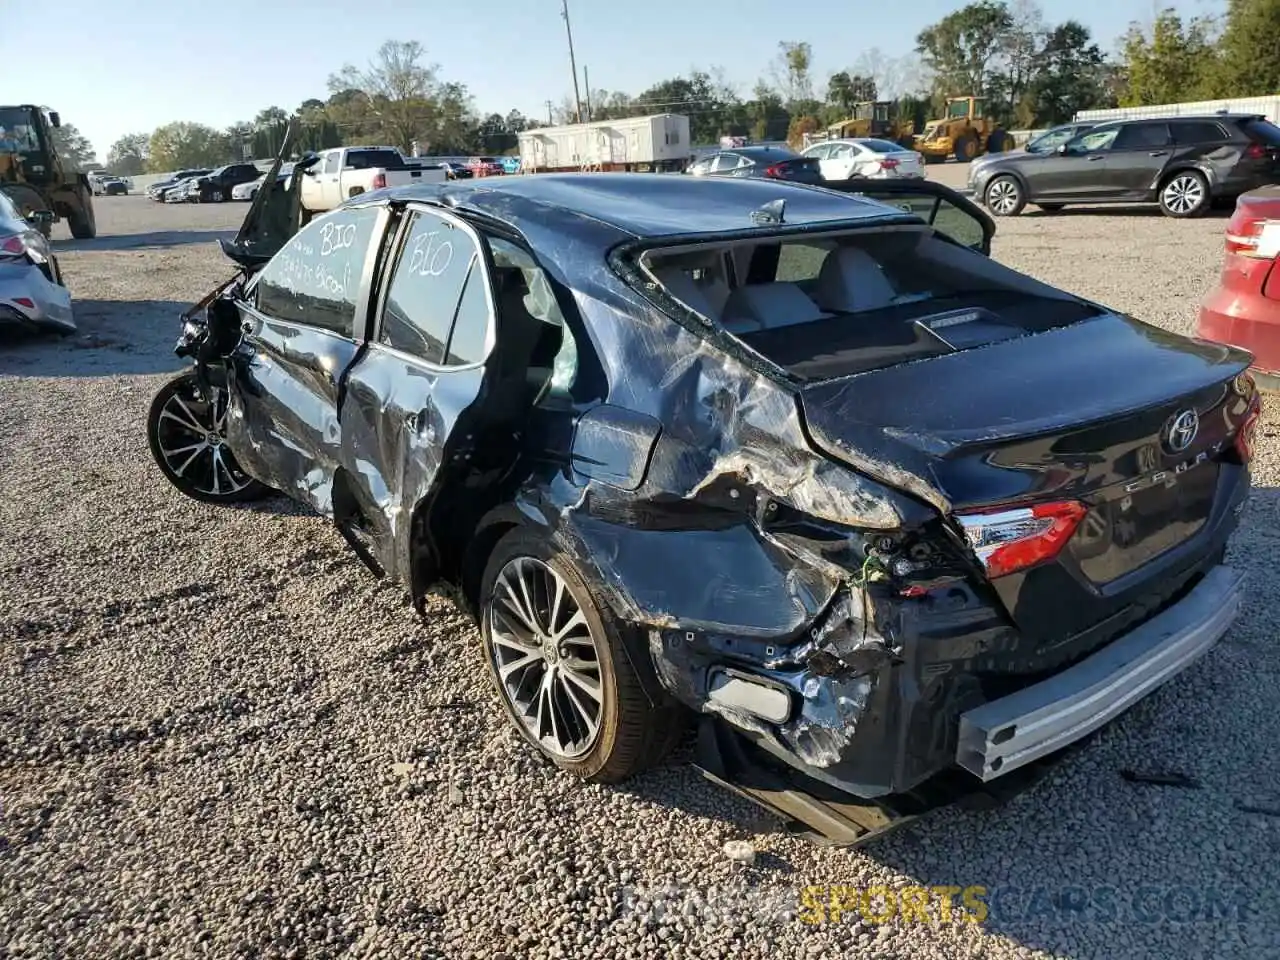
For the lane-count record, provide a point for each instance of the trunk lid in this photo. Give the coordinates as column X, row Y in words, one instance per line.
column 1082, row 412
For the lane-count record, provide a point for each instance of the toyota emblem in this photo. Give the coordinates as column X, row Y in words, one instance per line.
column 1182, row 430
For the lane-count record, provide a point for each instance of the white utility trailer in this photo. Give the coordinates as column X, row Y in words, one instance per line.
column 641, row 144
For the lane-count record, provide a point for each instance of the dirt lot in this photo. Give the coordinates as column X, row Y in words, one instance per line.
column 219, row 738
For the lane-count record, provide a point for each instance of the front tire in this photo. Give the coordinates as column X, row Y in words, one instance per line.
column 966, row 148
column 1004, row 196
column 215, row 195
column 187, row 437
column 558, row 660
column 1184, row 195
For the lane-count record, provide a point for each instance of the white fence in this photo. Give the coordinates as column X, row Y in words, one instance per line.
column 1267, row 106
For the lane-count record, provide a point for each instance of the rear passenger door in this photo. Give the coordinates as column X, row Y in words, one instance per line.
column 451, row 370
column 302, row 321
column 1137, row 158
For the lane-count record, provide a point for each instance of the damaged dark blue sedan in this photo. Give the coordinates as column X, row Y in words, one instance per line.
column 893, row 520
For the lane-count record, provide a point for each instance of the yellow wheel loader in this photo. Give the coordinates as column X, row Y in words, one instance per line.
column 964, row 133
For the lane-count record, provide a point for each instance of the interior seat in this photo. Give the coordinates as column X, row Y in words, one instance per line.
column 764, row 306
column 851, row 280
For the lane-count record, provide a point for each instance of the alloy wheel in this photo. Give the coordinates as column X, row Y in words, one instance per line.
column 190, row 439
column 1002, row 197
column 546, row 660
column 1183, row 194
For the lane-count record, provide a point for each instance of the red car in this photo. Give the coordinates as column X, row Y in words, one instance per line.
column 485, row 167
column 1244, row 309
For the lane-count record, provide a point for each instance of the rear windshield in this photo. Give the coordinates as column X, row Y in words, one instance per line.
column 881, row 146
column 370, row 159
column 834, row 305
column 1264, row 131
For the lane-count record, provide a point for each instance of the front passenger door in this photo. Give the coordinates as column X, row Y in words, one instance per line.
column 302, row 324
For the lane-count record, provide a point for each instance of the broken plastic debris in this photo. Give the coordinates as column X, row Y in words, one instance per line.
column 741, row 851
column 402, row 769
column 456, row 796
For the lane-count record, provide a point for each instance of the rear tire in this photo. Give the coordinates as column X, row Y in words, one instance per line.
column 999, row 142
column 549, row 640
column 966, row 148
column 1004, row 196
column 1184, row 194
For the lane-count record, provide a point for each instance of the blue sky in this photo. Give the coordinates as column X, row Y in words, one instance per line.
column 131, row 65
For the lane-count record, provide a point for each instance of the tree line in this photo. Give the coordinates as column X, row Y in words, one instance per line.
column 1032, row 73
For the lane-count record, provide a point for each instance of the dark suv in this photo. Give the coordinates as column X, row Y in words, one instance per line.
column 216, row 186
column 1181, row 163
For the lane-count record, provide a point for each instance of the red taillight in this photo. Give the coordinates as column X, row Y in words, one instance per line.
column 1250, row 234
column 379, row 180
column 1248, row 428
column 13, row 247
column 1010, row 539
column 888, row 163
column 776, row 170
column 1255, row 151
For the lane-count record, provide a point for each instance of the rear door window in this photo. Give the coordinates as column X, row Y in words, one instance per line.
column 1142, row 136
column 438, row 278
column 1196, row 131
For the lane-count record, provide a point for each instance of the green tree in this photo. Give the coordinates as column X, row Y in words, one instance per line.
column 792, row 73
column 1016, row 66
column 128, row 155
column 700, row 96
column 961, row 48
column 267, row 131
column 1250, row 49
column 1176, row 63
column 397, row 93
column 176, row 146
column 1072, row 75
column 74, row 148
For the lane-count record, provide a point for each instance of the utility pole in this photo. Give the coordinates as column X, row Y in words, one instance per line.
column 550, row 119
column 573, row 63
column 586, row 84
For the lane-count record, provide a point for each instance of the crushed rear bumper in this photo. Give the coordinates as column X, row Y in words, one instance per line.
column 1008, row 733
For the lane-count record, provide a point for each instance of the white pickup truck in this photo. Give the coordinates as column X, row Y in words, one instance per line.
column 345, row 172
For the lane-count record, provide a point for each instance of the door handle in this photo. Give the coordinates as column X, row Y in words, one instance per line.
column 1093, row 158
column 1159, row 153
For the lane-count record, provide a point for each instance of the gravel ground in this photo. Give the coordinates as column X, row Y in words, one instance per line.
column 219, row 738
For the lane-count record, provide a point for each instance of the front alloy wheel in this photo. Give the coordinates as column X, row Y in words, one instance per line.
column 1185, row 195
column 1004, row 197
column 557, row 657
column 187, row 436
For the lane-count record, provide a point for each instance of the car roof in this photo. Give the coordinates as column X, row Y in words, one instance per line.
column 646, row 205
column 757, row 150
column 1121, row 121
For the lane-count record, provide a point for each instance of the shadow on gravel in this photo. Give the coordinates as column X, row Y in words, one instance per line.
column 142, row 241
column 116, row 337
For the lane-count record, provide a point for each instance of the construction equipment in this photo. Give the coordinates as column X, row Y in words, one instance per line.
column 34, row 176
column 871, row 118
column 965, row 132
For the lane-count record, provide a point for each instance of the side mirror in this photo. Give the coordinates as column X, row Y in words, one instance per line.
column 55, row 119
column 40, row 217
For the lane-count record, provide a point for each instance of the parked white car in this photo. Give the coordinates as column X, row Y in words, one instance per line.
column 865, row 157
column 247, row 191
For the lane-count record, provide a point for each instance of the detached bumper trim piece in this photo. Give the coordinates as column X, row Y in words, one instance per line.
column 1007, row 733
